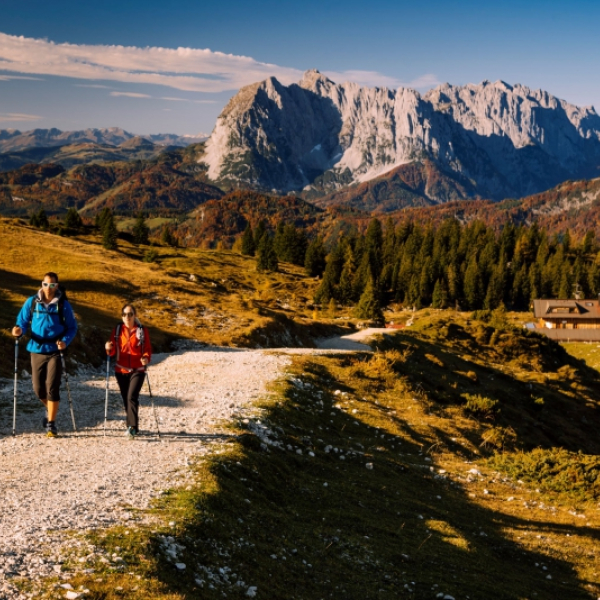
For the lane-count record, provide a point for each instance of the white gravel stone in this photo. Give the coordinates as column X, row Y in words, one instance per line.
column 88, row 479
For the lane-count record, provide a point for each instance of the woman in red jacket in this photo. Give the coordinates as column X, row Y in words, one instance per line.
column 130, row 343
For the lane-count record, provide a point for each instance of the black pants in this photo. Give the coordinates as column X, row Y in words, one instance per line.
column 46, row 370
column 130, row 385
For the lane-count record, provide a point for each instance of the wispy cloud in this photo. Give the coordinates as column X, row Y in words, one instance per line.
column 92, row 85
column 191, row 69
column 187, row 69
column 130, row 94
column 9, row 77
column 18, row 117
column 171, row 99
column 376, row 79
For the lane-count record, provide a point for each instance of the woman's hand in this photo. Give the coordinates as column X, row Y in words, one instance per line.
column 108, row 346
column 17, row 331
column 61, row 345
column 144, row 360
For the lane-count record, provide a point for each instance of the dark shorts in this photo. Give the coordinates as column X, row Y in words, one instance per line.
column 46, row 371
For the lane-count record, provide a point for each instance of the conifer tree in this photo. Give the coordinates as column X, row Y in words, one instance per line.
column 267, row 257
column 440, row 295
column 331, row 276
column 587, row 246
column 248, row 246
column 374, row 247
column 280, row 244
column 566, row 285
column 141, row 231
column 73, row 219
column 259, row 232
column 109, row 232
column 368, row 306
column 472, row 286
column 314, row 261
column 168, row 238
column 42, row 219
column 34, row 220
column 102, row 217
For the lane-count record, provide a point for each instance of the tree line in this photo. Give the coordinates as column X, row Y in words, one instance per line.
column 470, row 267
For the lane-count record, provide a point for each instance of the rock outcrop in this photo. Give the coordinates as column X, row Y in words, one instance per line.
column 318, row 137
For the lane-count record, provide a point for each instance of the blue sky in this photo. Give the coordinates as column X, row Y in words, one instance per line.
column 73, row 65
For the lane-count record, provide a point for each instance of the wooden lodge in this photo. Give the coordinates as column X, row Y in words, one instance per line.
column 568, row 320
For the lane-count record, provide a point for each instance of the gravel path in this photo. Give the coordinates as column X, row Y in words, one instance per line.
column 89, row 479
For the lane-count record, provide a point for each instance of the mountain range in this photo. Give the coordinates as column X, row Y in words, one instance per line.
column 13, row 140
column 315, row 138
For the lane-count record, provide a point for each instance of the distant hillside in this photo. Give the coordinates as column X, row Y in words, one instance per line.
column 13, row 140
column 419, row 183
column 573, row 205
column 227, row 217
column 171, row 182
column 68, row 156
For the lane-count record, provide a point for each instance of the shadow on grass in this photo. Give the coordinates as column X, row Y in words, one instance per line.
column 331, row 507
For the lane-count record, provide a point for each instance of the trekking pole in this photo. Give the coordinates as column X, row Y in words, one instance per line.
column 153, row 407
column 106, row 397
column 15, row 396
column 64, row 366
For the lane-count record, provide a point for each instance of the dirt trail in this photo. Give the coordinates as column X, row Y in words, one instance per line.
column 91, row 478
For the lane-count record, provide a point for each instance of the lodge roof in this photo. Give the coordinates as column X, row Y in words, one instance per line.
column 571, row 309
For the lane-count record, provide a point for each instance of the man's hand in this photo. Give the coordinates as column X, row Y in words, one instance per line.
column 17, row 331
column 61, row 345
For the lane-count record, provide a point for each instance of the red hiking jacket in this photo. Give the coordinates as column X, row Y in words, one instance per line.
column 131, row 345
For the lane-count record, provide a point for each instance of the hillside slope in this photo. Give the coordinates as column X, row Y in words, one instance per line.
column 171, row 182
column 214, row 297
column 457, row 460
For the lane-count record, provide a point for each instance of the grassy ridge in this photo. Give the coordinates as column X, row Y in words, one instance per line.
column 214, row 297
column 376, row 477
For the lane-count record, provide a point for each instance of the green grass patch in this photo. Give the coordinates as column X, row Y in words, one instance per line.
column 554, row 470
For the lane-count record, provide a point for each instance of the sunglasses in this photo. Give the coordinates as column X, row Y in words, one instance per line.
column 128, row 314
column 49, row 285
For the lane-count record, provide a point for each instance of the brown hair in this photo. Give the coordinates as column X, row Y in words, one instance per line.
column 52, row 275
column 131, row 306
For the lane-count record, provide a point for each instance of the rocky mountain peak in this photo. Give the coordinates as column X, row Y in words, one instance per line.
column 313, row 80
column 318, row 136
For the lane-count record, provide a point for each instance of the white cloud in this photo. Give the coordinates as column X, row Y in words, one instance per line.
column 17, row 117
column 376, row 79
column 171, row 99
column 188, row 69
column 92, row 85
column 9, row 77
column 130, row 94
column 191, row 69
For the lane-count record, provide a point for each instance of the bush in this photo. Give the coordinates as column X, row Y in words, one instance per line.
column 500, row 438
column 481, row 315
column 554, row 470
column 481, row 406
column 150, row 256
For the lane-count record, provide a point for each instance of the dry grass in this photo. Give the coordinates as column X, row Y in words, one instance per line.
column 211, row 296
column 440, row 511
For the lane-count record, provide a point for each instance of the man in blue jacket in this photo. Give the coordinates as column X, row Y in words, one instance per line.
column 49, row 319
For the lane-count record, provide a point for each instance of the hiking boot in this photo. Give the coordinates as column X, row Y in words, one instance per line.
column 45, row 422
column 51, row 430
column 131, row 432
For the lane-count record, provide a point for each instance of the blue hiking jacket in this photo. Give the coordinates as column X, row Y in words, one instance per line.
column 46, row 325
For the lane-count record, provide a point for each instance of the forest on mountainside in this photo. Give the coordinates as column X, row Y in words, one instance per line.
column 469, row 266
